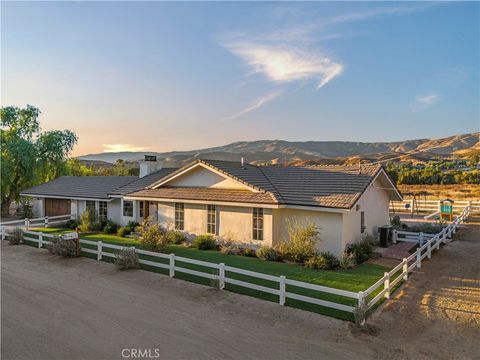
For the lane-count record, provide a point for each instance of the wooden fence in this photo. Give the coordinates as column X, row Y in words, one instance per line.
column 364, row 299
column 429, row 206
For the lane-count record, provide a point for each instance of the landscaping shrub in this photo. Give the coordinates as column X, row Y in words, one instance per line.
column 362, row 250
column 331, row 261
column 152, row 236
column 123, row 231
column 176, row 237
column 426, row 228
column 126, row 259
column 316, row 262
column 267, row 253
column 15, row 237
column 230, row 249
column 347, row 261
column 132, row 225
column 249, row 252
column 26, row 210
column 89, row 221
column 301, row 244
column 72, row 224
column 61, row 247
column 110, row 227
column 204, row 242
column 360, row 313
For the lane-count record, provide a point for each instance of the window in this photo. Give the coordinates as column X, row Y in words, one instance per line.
column 128, row 208
column 102, row 210
column 179, row 216
column 362, row 222
column 90, row 205
column 141, row 209
column 257, row 224
column 211, row 219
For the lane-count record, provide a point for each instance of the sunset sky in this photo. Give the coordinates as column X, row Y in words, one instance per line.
column 180, row 76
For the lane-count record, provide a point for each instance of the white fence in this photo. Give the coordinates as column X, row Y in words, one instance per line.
column 221, row 269
column 433, row 205
column 400, row 272
column 43, row 221
column 362, row 298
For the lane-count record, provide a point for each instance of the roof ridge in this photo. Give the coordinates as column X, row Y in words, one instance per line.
column 270, row 182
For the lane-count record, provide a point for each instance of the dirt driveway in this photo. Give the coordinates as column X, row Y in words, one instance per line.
column 81, row 309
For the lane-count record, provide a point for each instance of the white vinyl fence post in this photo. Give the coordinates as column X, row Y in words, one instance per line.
column 171, row 269
column 429, row 248
column 420, row 238
column 99, row 250
column 361, row 304
column 40, row 240
column 395, row 235
column 3, row 233
column 419, row 258
column 386, row 285
column 46, row 221
column 27, row 223
column 221, row 276
column 405, row 269
column 282, row 290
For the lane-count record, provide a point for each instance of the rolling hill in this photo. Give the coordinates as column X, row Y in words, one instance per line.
column 280, row 151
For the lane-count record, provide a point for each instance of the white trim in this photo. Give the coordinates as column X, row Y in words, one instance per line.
column 394, row 188
column 186, row 201
column 207, row 167
column 314, row 208
column 64, row 197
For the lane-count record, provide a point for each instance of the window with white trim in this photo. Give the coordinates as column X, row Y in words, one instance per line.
column 128, row 208
column 211, row 219
column 90, row 205
column 179, row 216
column 102, row 210
column 257, row 223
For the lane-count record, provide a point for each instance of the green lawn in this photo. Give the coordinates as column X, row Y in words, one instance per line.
column 357, row 279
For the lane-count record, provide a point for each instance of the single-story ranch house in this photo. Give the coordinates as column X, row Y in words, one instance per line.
column 236, row 201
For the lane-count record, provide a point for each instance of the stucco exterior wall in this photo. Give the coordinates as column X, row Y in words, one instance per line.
column 38, row 207
column 201, row 177
column 329, row 225
column 114, row 210
column 375, row 203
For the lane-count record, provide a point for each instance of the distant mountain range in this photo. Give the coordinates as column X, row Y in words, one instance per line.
column 295, row 152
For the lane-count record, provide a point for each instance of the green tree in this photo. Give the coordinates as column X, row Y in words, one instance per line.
column 28, row 155
column 75, row 168
column 120, row 168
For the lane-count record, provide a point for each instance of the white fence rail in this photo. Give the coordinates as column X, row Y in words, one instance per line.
column 100, row 249
column 433, row 205
column 362, row 298
column 427, row 244
column 43, row 221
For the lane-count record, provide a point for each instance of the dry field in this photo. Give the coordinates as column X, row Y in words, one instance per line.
column 457, row 192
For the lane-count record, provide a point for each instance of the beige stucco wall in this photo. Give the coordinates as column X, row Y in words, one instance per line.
column 201, row 177
column 374, row 202
column 329, row 225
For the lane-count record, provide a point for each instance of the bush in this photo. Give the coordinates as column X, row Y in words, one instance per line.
column 110, row 227
column 426, row 228
column 123, row 231
column 230, row 249
column 204, row 242
column 126, row 259
column 362, row 250
column 302, row 241
column 347, row 261
column 26, row 210
column 331, row 260
column 316, row 262
column 72, row 224
column 89, row 221
column 61, row 247
column 176, row 237
column 267, row 253
column 132, row 225
column 15, row 237
column 249, row 252
column 152, row 236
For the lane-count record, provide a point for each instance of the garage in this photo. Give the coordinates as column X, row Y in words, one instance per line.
column 55, row 207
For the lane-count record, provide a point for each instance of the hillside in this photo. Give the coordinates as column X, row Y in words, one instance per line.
column 280, row 151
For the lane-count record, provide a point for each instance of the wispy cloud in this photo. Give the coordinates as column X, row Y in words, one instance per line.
column 425, row 101
column 256, row 104
column 286, row 64
column 122, row 147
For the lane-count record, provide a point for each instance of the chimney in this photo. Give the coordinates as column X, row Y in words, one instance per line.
column 149, row 165
column 242, row 161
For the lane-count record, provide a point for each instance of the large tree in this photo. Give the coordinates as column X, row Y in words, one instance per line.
column 28, row 155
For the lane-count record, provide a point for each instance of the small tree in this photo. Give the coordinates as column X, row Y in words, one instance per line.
column 89, row 221
column 16, row 236
column 302, row 241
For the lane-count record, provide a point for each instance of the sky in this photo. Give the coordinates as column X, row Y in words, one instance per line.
column 162, row 76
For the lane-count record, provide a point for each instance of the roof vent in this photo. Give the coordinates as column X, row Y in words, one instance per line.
column 242, row 161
